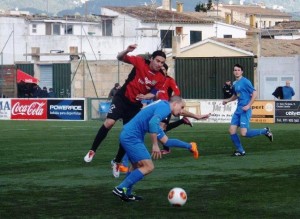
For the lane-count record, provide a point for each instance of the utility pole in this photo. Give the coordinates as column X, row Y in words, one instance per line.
column 86, row 9
column 47, row 8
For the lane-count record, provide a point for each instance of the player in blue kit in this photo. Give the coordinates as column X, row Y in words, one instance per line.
column 132, row 140
column 245, row 93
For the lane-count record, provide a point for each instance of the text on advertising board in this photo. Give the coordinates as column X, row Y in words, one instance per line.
column 29, row 109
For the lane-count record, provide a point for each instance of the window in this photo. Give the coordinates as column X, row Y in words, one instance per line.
column 48, row 28
column 166, row 38
column 34, row 28
column 227, row 36
column 195, row 36
column 107, row 28
column 270, row 23
column 56, row 29
column 69, row 29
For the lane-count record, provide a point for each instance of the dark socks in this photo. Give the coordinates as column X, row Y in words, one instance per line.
column 102, row 133
column 120, row 154
column 174, row 125
column 166, row 148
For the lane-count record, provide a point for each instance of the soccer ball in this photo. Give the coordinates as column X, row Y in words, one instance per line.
column 177, row 197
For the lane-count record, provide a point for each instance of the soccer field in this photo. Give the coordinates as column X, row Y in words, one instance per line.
column 43, row 175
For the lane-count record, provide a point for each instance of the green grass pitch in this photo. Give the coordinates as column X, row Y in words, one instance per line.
column 43, row 175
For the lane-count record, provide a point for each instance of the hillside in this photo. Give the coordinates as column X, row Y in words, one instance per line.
column 93, row 7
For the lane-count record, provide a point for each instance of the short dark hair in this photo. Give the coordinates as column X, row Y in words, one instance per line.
column 239, row 66
column 166, row 66
column 117, row 84
column 158, row 53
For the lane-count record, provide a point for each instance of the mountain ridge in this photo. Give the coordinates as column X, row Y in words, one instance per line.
column 54, row 7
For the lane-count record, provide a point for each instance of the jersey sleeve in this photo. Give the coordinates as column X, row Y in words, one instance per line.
column 249, row 87
column 174, row 87
column 159, row 114
column 134, row 60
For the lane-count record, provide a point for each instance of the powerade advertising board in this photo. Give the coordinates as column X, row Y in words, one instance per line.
column 66, row 109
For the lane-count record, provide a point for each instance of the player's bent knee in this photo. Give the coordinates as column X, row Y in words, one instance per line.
column 109, row 123
column 243, row 132
column 231, row 131
column 146, row 166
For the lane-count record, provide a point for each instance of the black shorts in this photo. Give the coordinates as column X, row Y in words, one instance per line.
column 122, row 108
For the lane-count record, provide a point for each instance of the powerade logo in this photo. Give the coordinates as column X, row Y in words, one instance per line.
column 59, row 107
column 66, row 109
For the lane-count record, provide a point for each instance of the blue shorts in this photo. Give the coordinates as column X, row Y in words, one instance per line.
column 135, row 148
column 241, row 119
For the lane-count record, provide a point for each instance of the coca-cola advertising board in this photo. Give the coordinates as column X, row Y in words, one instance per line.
column 28, row 109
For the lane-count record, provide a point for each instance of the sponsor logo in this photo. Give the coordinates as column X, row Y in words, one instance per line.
column 65, row 107
column 269, row 107
column 4, row 105
column 32, row 109
column 147, row 82
column 292, row 113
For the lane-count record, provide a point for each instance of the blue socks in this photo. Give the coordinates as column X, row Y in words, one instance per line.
column 131, row 179
column 255, row 132
column 237, row 143
column 177, row 143
column 250, row 133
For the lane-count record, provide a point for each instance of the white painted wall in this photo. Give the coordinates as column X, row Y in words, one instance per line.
column 294, row 37
column 274, row 71
column 78, row 28
column 16, row 39
column 222, row 29
column 123, row 25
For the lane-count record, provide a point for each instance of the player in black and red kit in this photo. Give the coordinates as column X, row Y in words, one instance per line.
column 145, row 77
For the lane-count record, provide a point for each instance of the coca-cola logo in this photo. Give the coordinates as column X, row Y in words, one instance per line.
column 33, row 109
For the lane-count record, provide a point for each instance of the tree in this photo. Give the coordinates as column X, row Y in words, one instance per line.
column 204, row 7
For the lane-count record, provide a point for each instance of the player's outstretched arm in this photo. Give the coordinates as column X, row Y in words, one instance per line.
column 232, row 98
column 129, row 49
column 186, row 113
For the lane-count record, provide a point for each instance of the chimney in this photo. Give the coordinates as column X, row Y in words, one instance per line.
column 167, row 5
column 35, row 53
column 176, row 44
column 252, row 20
column 228, row 18
column 179, row 7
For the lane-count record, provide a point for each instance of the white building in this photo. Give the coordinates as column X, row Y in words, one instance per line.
column 23, row 36
column 253, row 15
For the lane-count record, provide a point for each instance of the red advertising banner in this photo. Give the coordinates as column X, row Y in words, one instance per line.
column 28, row 109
